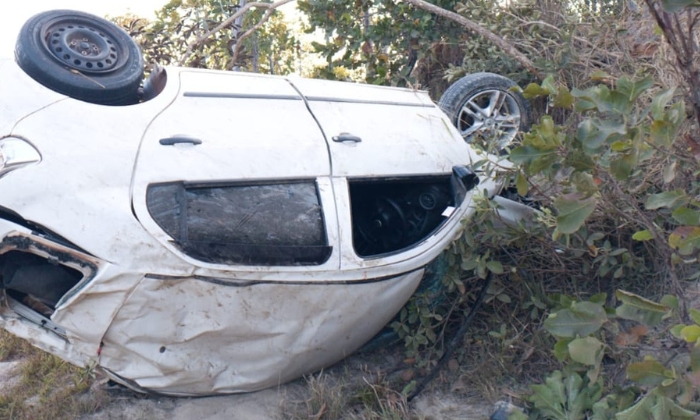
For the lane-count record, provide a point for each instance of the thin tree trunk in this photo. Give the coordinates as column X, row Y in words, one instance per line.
column 235, row 33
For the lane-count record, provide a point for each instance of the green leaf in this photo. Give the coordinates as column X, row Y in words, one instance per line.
column 695, row 315
column 606, row 408
column 658, row 104
column 527, row 154
column 637, row 308
column 599, row 298
column 409, row 388
column 521, row 184
column 574, row 397
column 563, row 99
column 676, row 330
column 600, row 75
column 594, row 98
column 632, row 89
column 668, row 382
column 673, row 6
column 622, row 167
column 572, row 211
column 639, row 411
column 671, row 199
column 670, row 301
column 685, row 239
column 594, row 133
column 621, row 146
column 686, row 216
column 662, row 133
column 561, row 349
column 579, row 160
column 469, row 265
column 642, row 235
column 666, row 409
column 495, row 267
column 549, row 85
column 691, row 333
column 695, row 359
column 550, row 397
column 586, row 350
column 504, row 298
column 533, row 90
column 648, row 372
column 581, row 319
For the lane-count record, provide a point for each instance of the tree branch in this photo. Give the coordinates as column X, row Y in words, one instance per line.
column 506, row 46
column 684, row 47
column 246, row 34
column 199, row 41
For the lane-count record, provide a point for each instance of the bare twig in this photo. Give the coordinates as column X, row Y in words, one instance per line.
column 199, row 41
column 546, row 25
column 683, row 45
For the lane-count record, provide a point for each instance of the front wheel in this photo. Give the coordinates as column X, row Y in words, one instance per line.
column 82, row 56
column 485, row 110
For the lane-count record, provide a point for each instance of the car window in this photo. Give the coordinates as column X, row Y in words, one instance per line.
column 261, row 224
column 389, row 215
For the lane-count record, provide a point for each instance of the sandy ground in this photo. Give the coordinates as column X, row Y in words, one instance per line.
column 265, row 405
column 277, row 403
column 262, row 405
column 284, row 402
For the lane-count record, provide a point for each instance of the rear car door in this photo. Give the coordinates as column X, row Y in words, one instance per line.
column 393, row 156
column 376, row 131
column 236, row 172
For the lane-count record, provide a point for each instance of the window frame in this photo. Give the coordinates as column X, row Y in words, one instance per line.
column 323, row 252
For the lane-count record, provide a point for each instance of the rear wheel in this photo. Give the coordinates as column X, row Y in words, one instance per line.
column 485, row 110
column 82, row 56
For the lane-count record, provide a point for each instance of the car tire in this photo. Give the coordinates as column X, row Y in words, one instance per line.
column 469, row 104
column 82, row 56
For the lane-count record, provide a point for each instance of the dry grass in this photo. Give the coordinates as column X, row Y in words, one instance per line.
column 345, row 392
column 45, row 387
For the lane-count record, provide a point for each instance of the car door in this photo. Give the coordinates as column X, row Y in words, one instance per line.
column 393, row 155
column 236, row 172
column 376, row 131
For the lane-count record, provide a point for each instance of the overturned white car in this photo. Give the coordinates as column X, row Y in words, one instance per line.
column 218, row 232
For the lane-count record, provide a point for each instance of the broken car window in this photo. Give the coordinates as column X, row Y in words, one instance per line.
column 262, row 224
column 393, row 214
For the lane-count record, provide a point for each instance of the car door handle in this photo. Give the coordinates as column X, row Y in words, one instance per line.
column 346, row 137
column 170, row 141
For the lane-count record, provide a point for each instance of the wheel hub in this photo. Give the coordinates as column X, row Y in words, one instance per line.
column 492, row 115
column 83, row 47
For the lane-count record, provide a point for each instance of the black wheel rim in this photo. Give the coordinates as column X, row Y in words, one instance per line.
column 82, row 45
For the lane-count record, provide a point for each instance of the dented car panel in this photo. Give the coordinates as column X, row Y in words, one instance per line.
column 230, row 234
column 277, row 330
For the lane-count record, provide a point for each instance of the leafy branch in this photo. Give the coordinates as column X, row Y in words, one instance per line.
column 227, row 22
column 506, row 46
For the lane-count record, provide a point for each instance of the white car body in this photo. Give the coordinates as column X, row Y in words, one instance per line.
column 157, row 318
